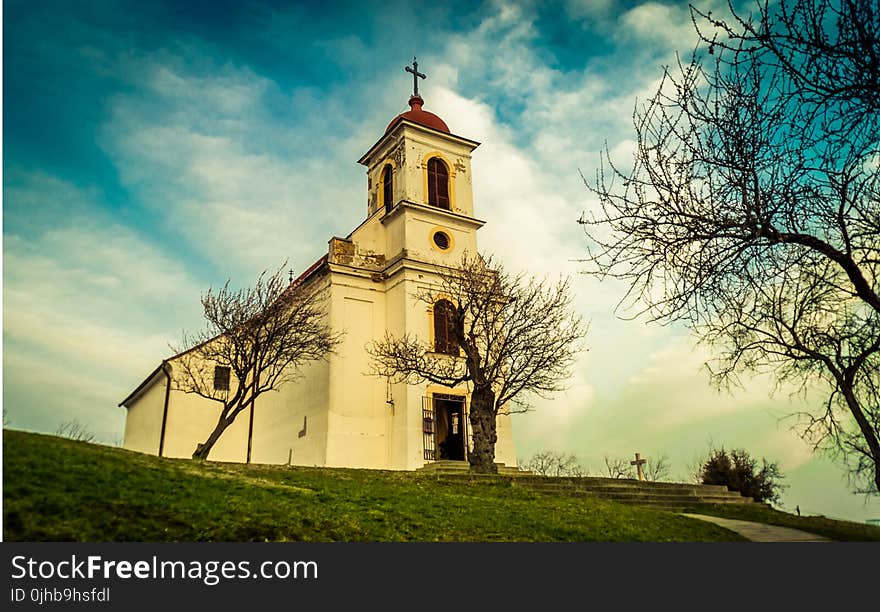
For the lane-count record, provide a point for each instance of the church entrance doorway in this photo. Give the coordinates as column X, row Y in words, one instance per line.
column 446, row 434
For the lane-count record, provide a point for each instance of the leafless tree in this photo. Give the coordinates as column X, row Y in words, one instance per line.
column 827, row 48
column 694, row 470
column 518, row 335
column 255, row 341
column 752, row 211
column 618, row 468
column 554, row 463
column 658, row 468
column 75, row 430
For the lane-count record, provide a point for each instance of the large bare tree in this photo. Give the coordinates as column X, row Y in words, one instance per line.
column 751, row 211
column 255, row 340
column 514, row 336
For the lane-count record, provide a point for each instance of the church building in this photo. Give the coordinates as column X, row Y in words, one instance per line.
column 420, row 215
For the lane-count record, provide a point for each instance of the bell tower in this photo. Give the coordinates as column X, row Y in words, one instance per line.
column 419, row 186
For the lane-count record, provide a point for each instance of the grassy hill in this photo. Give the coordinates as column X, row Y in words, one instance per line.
column 60, row 490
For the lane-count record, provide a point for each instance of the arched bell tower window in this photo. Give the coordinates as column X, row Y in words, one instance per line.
column 438, row 183
column 388, row 187
column 444, row 338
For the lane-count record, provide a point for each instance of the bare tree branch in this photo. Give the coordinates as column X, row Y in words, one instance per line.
column 658, row 468
column 752, row 211
column 556, row 464
column 514, row 336
column 255, row 340
column 619, row 468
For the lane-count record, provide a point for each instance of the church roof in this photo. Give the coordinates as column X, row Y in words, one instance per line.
column 417, row 115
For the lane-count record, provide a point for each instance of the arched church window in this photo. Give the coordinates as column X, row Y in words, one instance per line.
column 444, row 338
column 388, row 187
column 438, row 183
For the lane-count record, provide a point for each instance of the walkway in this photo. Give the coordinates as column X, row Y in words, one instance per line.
column 759, row 532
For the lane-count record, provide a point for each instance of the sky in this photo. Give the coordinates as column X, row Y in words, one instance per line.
column 154, row 149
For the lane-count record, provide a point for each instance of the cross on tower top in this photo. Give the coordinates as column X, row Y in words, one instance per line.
column 416, row 76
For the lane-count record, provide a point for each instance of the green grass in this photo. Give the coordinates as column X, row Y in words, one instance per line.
column 60, row 490
column 841, row 531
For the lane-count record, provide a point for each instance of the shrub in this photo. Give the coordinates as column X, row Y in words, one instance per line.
column 738, row 471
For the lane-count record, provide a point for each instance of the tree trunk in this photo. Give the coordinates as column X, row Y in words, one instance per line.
column 482, row 418
column 203, row 449
column 864, row 426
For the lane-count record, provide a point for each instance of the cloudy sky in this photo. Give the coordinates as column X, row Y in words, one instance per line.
column 153, row 149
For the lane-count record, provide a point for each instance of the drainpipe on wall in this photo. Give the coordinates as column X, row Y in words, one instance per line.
column 165, row 368
column 250, row 430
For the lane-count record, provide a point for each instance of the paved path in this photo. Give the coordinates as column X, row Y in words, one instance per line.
column 759, row 532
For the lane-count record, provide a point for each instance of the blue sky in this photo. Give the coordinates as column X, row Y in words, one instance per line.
column 153, row 149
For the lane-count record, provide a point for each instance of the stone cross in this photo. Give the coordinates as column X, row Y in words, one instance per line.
column 416, row 76
column 639, row 462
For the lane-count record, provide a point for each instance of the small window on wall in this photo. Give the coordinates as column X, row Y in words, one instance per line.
column 444, row 338
column 438, row 183
column 388, row 187
column 442, row 240
column 221, row 378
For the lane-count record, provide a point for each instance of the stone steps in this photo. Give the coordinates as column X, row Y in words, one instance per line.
column 446, row 466
column 650, row 497
column 642, row 493
column 622, row 485
column 660, row 495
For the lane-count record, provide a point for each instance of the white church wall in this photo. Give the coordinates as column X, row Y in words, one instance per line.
column 397, row 310
column 291, row 423
column 375, row 237
column 421, row 145
column 143, row 423
column 192, row 418
column 384, row 155
column 358, row 410
column 421, row 226
column 504, row 450
column 464, row 193
column 394, row 236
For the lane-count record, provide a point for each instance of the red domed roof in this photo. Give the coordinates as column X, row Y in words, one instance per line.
column 417, row 115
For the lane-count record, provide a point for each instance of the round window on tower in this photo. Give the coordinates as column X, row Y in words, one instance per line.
column 441, row 240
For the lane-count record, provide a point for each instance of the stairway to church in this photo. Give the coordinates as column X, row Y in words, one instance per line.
column 448, row 466
column 659, row 495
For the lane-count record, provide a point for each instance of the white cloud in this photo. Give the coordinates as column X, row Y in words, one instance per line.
column 664, row 24
column 229, row 177
column 89, row 307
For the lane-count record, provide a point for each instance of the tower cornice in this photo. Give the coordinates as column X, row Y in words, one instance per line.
column 397, row 129
column 441, row 213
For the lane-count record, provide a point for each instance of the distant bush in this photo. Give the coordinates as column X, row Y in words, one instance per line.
column 75, row 430
column 738, row 471
column 554, row 463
